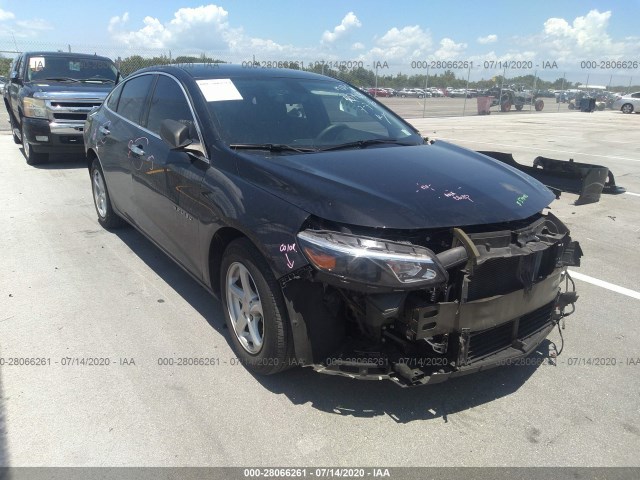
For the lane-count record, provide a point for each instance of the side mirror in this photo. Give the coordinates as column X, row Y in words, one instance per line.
column 176, row 134
column 178, row 137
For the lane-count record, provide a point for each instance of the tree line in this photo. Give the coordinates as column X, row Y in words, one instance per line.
column 360, row 77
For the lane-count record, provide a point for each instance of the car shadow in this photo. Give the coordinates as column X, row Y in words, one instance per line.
column 60, row 161
column 344, row 396
column 361, row 398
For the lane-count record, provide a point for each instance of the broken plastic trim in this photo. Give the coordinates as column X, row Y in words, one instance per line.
column 584, row 179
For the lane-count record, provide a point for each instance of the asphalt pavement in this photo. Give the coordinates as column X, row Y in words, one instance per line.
column 70, row 290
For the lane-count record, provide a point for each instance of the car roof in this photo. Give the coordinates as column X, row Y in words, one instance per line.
column 66, row 55
column 203, row 71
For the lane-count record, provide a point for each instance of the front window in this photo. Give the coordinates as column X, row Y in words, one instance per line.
column 62, row 68
column 302, row 113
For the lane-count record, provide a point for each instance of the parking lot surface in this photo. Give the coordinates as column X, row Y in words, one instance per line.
column 72, row 291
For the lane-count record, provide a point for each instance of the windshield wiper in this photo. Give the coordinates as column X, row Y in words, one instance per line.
column 98, row 79
column 62, row 79
column 366, row 143
column 272, row 147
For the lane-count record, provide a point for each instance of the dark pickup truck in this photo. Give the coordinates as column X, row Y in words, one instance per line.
column 48, row 96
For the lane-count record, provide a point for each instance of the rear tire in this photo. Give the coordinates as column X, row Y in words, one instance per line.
column 32, row 157
column 107, row 217
column 254, row 310
column 539, row 105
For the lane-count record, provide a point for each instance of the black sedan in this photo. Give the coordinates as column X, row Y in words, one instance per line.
column 334, row 234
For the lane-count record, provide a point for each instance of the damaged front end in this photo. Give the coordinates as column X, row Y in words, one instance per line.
column 419, row 306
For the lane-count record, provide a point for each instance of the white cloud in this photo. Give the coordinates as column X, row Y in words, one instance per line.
column 5, row 15
column 115, row 23
column 402, row 44
column 358, row 46
column 585, row 37
column 349, row 22
column 192, row 31
column 493, row 38
column 200, row 28
column 449, row 49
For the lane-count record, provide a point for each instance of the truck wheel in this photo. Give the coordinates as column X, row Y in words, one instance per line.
column 106, row 216
column 254, row 310
column 14, row 130
column 519, row 107
column 32, row 157
column 539, row 105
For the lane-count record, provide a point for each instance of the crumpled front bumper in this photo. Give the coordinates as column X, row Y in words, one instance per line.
column 483, row 334
column 502, row 299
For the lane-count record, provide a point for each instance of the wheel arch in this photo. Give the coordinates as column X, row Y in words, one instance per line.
column 90, row 156
column 218, row 244
column 627, row 104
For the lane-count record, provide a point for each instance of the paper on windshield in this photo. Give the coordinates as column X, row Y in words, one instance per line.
column 219, row 89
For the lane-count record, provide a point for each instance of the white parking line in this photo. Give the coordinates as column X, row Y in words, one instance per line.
column 634, row 194
column 603, row 284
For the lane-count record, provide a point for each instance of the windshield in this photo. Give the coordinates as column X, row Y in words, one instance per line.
column 58, row 68
column 303, row 113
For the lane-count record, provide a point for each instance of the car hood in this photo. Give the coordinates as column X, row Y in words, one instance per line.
column 61, row 90
column 426, row 186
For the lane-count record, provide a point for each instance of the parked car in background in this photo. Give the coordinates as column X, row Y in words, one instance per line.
column 48, row 97
column 628, row 103
column 334, row 234
column 410, row 93
column 378, row 92
column 3, row 81
column 545, row 94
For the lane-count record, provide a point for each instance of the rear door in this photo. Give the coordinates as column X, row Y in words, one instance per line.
column 118, row 131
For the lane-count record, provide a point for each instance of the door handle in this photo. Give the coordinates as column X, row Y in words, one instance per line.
column 137, row 150
column 104, row 130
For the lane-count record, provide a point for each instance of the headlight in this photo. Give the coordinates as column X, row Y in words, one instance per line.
column 34, row 107
column 371, row 261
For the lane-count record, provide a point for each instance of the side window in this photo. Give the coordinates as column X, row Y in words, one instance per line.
column 168, row 102
column 114, row 96
column 636, row 95
column 134, row 93
column 19, row 69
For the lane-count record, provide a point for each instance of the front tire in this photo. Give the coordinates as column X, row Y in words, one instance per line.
column 254, row 310
column 14, row 129
column 627, row 108
column 32, row 157
column 107, row 217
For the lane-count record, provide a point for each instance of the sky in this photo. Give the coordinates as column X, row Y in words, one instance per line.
column 403, row 36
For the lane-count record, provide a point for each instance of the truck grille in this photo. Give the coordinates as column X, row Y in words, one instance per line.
column 71, row 111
